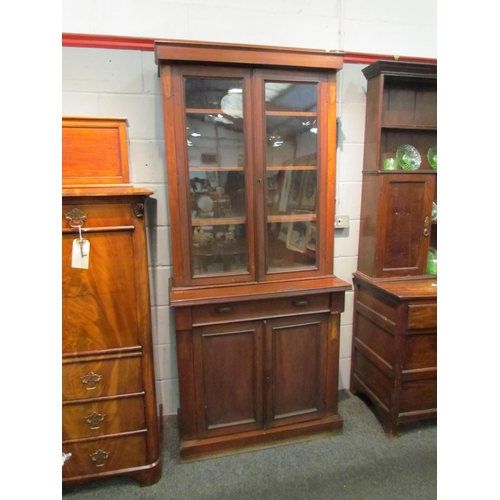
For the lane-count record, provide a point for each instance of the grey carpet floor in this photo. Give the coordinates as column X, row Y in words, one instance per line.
column 359, row 464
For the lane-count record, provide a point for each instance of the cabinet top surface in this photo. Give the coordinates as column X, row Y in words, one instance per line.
column 404, row 289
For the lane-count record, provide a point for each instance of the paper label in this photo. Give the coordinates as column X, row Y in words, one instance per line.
column 80, row 254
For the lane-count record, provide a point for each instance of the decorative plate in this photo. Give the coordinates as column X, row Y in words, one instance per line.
column 432, row 156
column 408, row 157
column 205, row 204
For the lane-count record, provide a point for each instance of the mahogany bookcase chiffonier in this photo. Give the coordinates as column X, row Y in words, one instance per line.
column 394, row 355
column 250, row 136
column 109, row 417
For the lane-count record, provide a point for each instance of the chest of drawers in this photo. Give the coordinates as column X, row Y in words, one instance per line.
column 109, row 414
column 394, row 355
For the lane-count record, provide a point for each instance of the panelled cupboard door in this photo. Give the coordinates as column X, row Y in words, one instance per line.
column 295, row 368
column 405, row 224
column 396, row 224
column 228, row 373
column 251, row 168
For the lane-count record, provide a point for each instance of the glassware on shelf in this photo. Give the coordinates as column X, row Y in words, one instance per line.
column 432, row 157
column 390, row 162
column 432, row 261
column 408, row 157
column 434, row 213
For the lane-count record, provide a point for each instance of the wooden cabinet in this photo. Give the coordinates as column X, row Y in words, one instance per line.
column 251, row 179
column 394, row 342
column 395, row 349
column 109, row 416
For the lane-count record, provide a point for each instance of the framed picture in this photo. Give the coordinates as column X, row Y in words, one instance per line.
column 295, row 189
column 299, row 234
column 308, row 191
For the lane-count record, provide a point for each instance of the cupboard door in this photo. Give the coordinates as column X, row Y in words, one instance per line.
column 228, row 373
column 295, row 369
column 405, row 224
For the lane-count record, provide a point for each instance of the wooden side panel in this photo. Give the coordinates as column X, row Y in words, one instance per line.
column 380, row 384
column 370, row 200
column 372, row 125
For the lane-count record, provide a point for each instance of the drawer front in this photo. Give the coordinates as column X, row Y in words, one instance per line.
column 420, row 351
column 98, row 214
column 98, row 322
column 258, row 309
column 103, row 455
column 418, row 395
column 422, row 316
column 108, row 377
column 98, row 418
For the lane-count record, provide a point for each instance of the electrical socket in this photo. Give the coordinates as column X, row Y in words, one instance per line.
column 341, row 221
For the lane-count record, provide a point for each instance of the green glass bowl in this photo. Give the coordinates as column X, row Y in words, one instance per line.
column 432, row 157
column 408, row 157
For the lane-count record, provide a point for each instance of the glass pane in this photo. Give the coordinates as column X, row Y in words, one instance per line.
column 219, row 248
column 215, row 139
column 292, row 180
column 291, row 96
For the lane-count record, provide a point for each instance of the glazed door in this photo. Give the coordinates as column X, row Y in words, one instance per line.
column 213, row 130
column 228, row 374
column 292, row 111
column 406, row 224
column 295, row 369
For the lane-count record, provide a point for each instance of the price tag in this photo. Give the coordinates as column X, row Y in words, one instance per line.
column 80, row 253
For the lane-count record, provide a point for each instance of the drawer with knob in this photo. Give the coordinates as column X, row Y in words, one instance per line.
column 259, row 309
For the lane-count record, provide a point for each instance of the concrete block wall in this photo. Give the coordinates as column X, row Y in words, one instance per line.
column 124, row 83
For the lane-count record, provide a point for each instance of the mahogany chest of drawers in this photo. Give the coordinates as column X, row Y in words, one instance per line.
column 109, row 415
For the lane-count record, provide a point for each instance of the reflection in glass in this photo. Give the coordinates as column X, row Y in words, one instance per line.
column 215, row 141
column 219, row 248
column 291, row 175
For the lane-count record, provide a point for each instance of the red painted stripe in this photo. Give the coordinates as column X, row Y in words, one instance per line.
column 133, row 43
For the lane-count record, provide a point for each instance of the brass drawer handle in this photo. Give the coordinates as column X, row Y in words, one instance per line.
column 99, row 457
column 95, row 419
column 76, row 217
column 300, row 303
column 91, row 380
column 223, row 309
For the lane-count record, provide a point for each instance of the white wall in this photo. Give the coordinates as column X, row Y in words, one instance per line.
column 401, row 27
column 124, row 83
